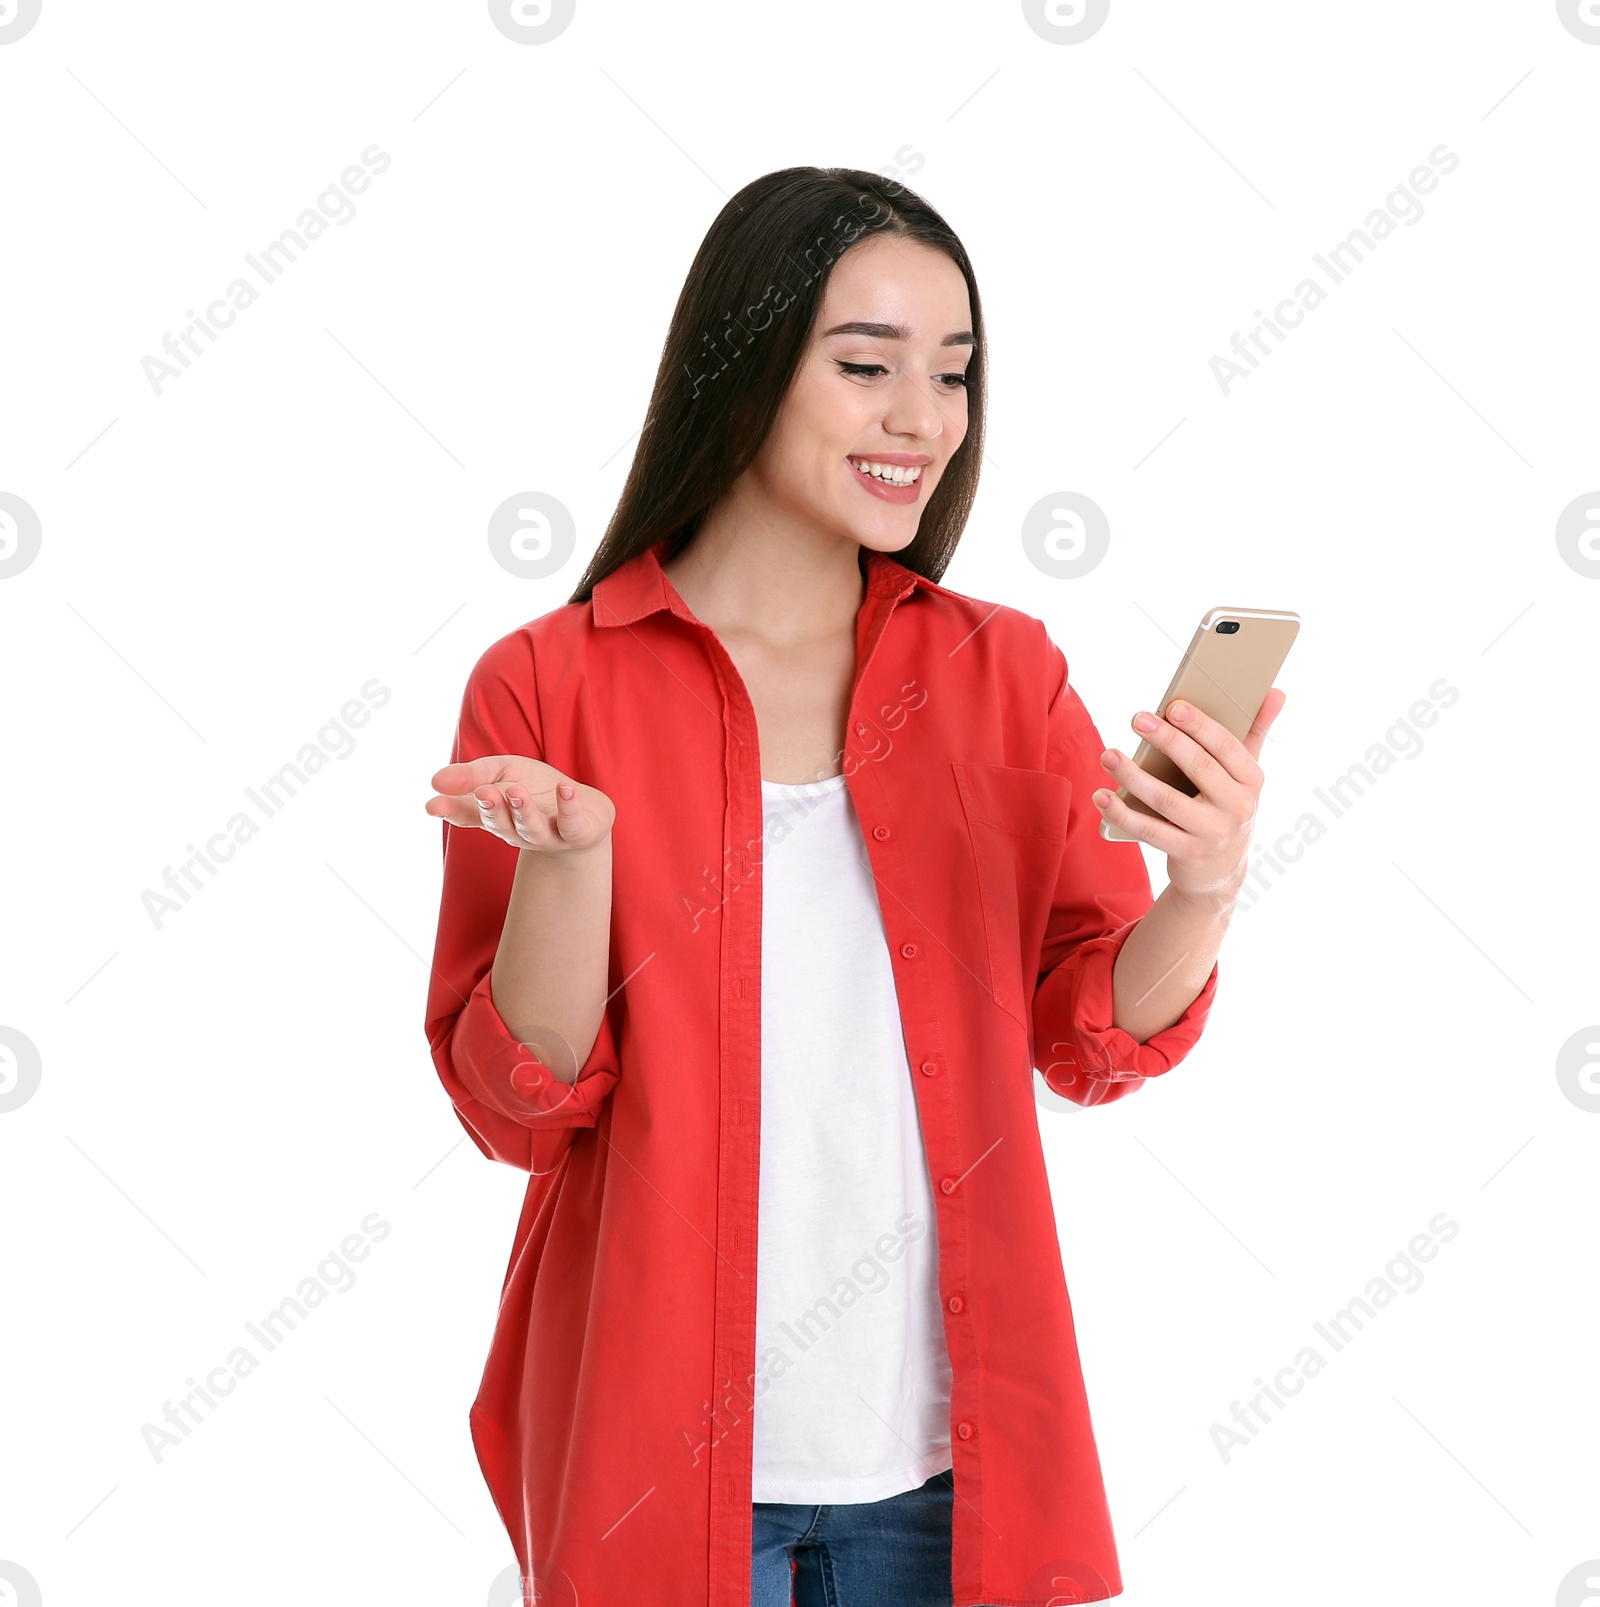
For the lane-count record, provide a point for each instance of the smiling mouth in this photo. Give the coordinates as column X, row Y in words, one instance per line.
column 886, row 473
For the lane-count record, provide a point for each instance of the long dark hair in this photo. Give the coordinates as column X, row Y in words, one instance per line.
column 743, row 319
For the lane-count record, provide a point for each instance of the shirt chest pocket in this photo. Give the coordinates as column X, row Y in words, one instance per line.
column 1017, row 821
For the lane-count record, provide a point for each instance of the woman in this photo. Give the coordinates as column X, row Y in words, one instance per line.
column 772, row 871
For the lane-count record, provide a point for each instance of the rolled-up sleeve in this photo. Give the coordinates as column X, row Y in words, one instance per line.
column 514, row 1107
column 1102, row 890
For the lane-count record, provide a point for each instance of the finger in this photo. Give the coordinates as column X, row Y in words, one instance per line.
column 457, row 809
column 531, row 826
column 1197, row 754
column 494, row 814
column 454, row 785
column 570, row 815
column 1178, row 807
column 458, row 779
column 523, row 826
column 1160, row 834
column 1271, row 708
column 1215, row 740
column 497, row 815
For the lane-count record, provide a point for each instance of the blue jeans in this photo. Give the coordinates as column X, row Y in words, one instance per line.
column 889, row 1553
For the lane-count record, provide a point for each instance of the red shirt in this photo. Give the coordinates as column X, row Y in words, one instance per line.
column 613, row 1421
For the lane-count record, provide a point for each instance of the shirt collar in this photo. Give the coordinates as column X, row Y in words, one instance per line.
column 640, row 586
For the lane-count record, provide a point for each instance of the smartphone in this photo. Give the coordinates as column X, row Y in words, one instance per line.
column 1226, row 672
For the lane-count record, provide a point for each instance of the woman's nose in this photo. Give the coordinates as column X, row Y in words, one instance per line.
column 913, row 408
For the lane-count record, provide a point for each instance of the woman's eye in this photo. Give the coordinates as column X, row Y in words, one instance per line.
column 950, row 381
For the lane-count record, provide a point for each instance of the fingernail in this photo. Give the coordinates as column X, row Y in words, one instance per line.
column 1144, row 722
column 1109, row 759
column 1178, row 711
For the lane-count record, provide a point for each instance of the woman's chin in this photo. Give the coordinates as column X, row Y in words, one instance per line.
column 885, row 530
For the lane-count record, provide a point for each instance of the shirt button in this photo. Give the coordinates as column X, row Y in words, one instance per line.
column 929, row 1067
column 861, row 730
column 947, row 1186
column 957, row 1304
column 909, row 950
column 880, row 832
column 964, row 1430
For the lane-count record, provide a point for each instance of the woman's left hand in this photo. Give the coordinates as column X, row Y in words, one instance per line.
column 1206, row 838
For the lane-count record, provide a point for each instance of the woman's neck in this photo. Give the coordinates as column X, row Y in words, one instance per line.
column 781, row 587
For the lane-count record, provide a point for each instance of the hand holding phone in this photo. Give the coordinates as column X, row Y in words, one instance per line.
column 1226, row 672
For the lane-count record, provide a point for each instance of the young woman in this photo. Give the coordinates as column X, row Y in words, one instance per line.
column 772, row 872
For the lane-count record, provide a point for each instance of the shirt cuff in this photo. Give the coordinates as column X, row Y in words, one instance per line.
column 1086, row 1061
column 509, row 1076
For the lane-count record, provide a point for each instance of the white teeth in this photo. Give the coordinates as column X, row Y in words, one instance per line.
column 888, row 471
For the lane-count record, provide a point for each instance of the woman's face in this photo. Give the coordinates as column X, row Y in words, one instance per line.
column 881, row 383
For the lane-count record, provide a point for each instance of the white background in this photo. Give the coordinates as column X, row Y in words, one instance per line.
column 225, row 1097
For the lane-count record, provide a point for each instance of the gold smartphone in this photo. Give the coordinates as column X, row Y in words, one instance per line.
column 1227, row 672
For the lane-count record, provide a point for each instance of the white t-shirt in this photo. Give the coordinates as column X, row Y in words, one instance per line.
column 852, row 1386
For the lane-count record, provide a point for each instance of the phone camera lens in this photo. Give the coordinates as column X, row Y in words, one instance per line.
column 1228, row 626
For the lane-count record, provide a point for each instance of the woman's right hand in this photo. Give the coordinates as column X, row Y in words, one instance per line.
column 525, row 802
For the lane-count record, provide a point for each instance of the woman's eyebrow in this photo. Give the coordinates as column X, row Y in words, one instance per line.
column 962, row 337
